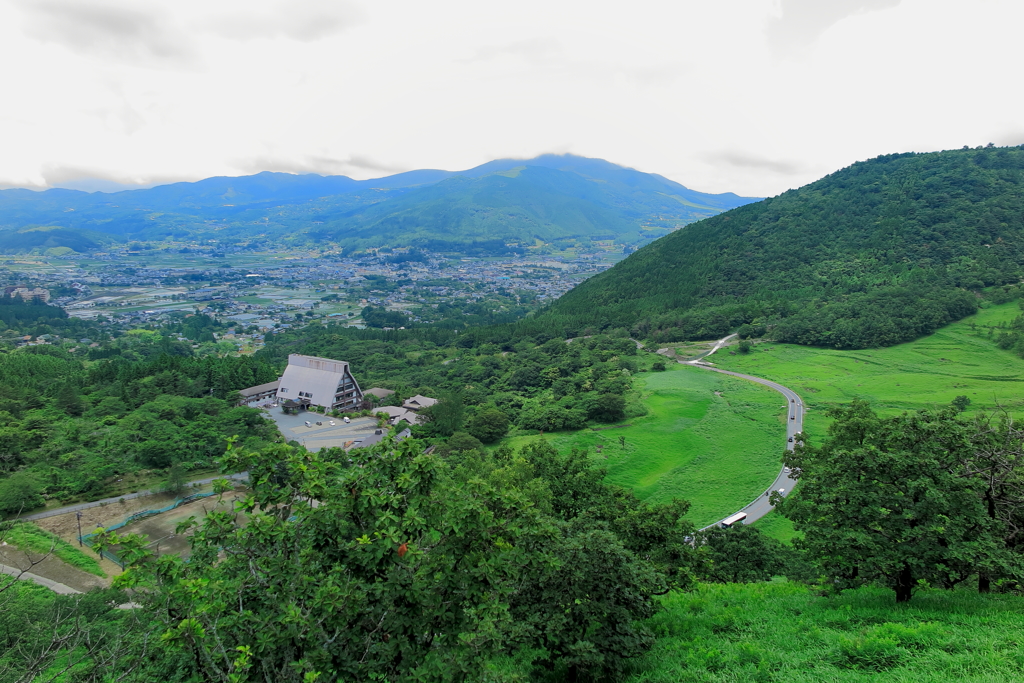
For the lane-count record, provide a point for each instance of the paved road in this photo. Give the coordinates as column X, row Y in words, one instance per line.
column 29, row 576
column 760, row 506
column 128, row 496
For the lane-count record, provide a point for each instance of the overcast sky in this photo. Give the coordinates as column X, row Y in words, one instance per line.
column 748, row 96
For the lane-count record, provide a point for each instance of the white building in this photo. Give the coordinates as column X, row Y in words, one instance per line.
column 312, row 381
column 321, row 381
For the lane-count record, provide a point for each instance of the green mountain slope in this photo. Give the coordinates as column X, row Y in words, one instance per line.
column 552, row 197
column 513, row 201
column 878, row 253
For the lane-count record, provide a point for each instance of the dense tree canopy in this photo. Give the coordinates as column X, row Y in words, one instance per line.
column 878, row 253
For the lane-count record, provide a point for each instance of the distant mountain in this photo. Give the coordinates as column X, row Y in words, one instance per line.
column 551, row 198
column 878, row 253
column 508, row 201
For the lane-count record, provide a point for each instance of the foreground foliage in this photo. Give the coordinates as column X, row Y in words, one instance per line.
column 919, row 497
column 397, row 565
column 785, row 632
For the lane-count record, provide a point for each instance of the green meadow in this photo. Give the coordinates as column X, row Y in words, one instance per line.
column 784, row 631
column 959, row 359
column 708, row 438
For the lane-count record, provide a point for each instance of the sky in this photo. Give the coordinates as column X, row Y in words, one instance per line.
column 746, row 96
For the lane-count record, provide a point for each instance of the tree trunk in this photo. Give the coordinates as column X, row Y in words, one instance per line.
column 904, row 584
column 984, row 583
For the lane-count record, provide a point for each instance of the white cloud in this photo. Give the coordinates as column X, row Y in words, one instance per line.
column 130, row 33
column 694, row 90
column 301, row 20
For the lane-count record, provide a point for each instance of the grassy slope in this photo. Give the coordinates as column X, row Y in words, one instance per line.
column 718, row 452
column 30, row 538
column 956, row 360
column 783, row 632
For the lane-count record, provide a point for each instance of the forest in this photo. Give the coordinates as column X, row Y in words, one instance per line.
column 878, row 253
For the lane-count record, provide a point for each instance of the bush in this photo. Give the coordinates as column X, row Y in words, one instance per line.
column 659, row 366
column 488, row 425
column 20, row 492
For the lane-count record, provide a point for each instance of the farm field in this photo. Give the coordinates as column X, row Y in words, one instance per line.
column 160, row 529
column 959, row 359
column 711, row 439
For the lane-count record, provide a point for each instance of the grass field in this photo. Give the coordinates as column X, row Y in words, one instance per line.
column 959, row 359
column 785, row 632
column 710, row 439
column 28, row 537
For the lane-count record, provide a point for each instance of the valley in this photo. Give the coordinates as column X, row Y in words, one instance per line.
column 545, row 425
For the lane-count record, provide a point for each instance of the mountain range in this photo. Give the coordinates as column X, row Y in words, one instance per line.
column 502, row 204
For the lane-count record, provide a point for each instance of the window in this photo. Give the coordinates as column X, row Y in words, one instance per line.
column 282, row 390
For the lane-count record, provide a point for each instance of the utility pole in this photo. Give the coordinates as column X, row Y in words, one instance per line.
column 78, row 516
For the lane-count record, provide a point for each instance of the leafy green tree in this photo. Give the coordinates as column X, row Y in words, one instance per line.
column 608, row 408
column 67, row 399
column 488, row 425
column 460, row 441
column 393, row 575
column 744, row 346
column 446, row 416
column 961, row 403
column 20, row 492
column 177, row 480
column 888, row 500
column 739, row 554
column 658, row 366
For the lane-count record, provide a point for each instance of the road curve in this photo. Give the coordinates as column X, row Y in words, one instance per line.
column 760, row 506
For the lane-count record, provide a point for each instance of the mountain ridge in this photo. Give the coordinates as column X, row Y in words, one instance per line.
column 549, row 197
column 880, row 252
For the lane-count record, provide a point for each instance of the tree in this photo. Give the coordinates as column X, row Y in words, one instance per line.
column 67, row 399
column 739, row 554
column 608, row 408
column 177, row 480
column 446, row 415
column 961, row 403
column 394, row 574
column 488, row 425
column 460, row 441
column 19, row 492
column 744, row 346
column 658, row 366
column 888, row 500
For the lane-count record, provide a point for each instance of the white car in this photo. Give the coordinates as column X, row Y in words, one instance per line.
column 307, row 424
column 782, row 490
column 347, row 420
column 332, row 423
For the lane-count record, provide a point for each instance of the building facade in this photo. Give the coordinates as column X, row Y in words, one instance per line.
column 312, row 381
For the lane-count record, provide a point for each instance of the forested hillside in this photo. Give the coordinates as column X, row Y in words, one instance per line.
column 480, row 210
column 881, row 252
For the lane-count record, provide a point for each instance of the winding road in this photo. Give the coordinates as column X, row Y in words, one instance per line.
column 760, row 506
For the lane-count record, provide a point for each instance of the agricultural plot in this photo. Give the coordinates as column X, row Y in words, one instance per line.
column 161, row 529
column 711, row 439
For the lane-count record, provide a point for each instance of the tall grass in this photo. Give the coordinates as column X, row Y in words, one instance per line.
column 784, row 632
column 30, row 538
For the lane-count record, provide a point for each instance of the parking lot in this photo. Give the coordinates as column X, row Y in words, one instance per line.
column 325, row 435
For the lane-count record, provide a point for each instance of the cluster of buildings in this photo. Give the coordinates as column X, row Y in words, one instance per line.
column 29, row 293
column 310, row 381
